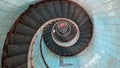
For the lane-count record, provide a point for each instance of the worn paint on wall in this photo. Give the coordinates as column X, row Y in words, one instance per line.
column 104, row 49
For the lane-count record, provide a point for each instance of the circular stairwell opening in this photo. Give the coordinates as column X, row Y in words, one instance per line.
column 73, row 24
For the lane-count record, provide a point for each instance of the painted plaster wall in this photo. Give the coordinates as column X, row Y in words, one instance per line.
column 105, row 15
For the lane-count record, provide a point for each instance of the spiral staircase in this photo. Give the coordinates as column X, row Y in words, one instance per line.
column 67, row 30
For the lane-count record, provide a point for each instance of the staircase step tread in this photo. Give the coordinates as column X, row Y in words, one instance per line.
column 20, row 39
column 17, row 49
column 15, row 61
column 25, row 30
column 23, row 66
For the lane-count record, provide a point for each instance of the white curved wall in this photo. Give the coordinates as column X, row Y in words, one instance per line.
column 104, row 49
column 105, row 15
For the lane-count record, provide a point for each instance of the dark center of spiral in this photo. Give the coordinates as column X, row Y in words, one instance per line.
column 63, row 28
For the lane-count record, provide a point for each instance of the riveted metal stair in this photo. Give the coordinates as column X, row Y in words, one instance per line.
column 19, row 37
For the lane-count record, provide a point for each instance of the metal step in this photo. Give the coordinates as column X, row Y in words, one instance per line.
column 15, row 61
column 76, row 13
column 83, row 21
column 14, row 50
column 64, row 8
column 81, row 17
column 24, row 30
column 43, row 12
column 29, row 22
column 23, row 66
column 71, row 8
column 50, row 8
column 85, row 26
column 20, row 39
column 57, row 7
column 37, row 17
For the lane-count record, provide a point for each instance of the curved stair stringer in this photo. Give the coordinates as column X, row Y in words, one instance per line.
column 11, row 31
column 24, row 28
